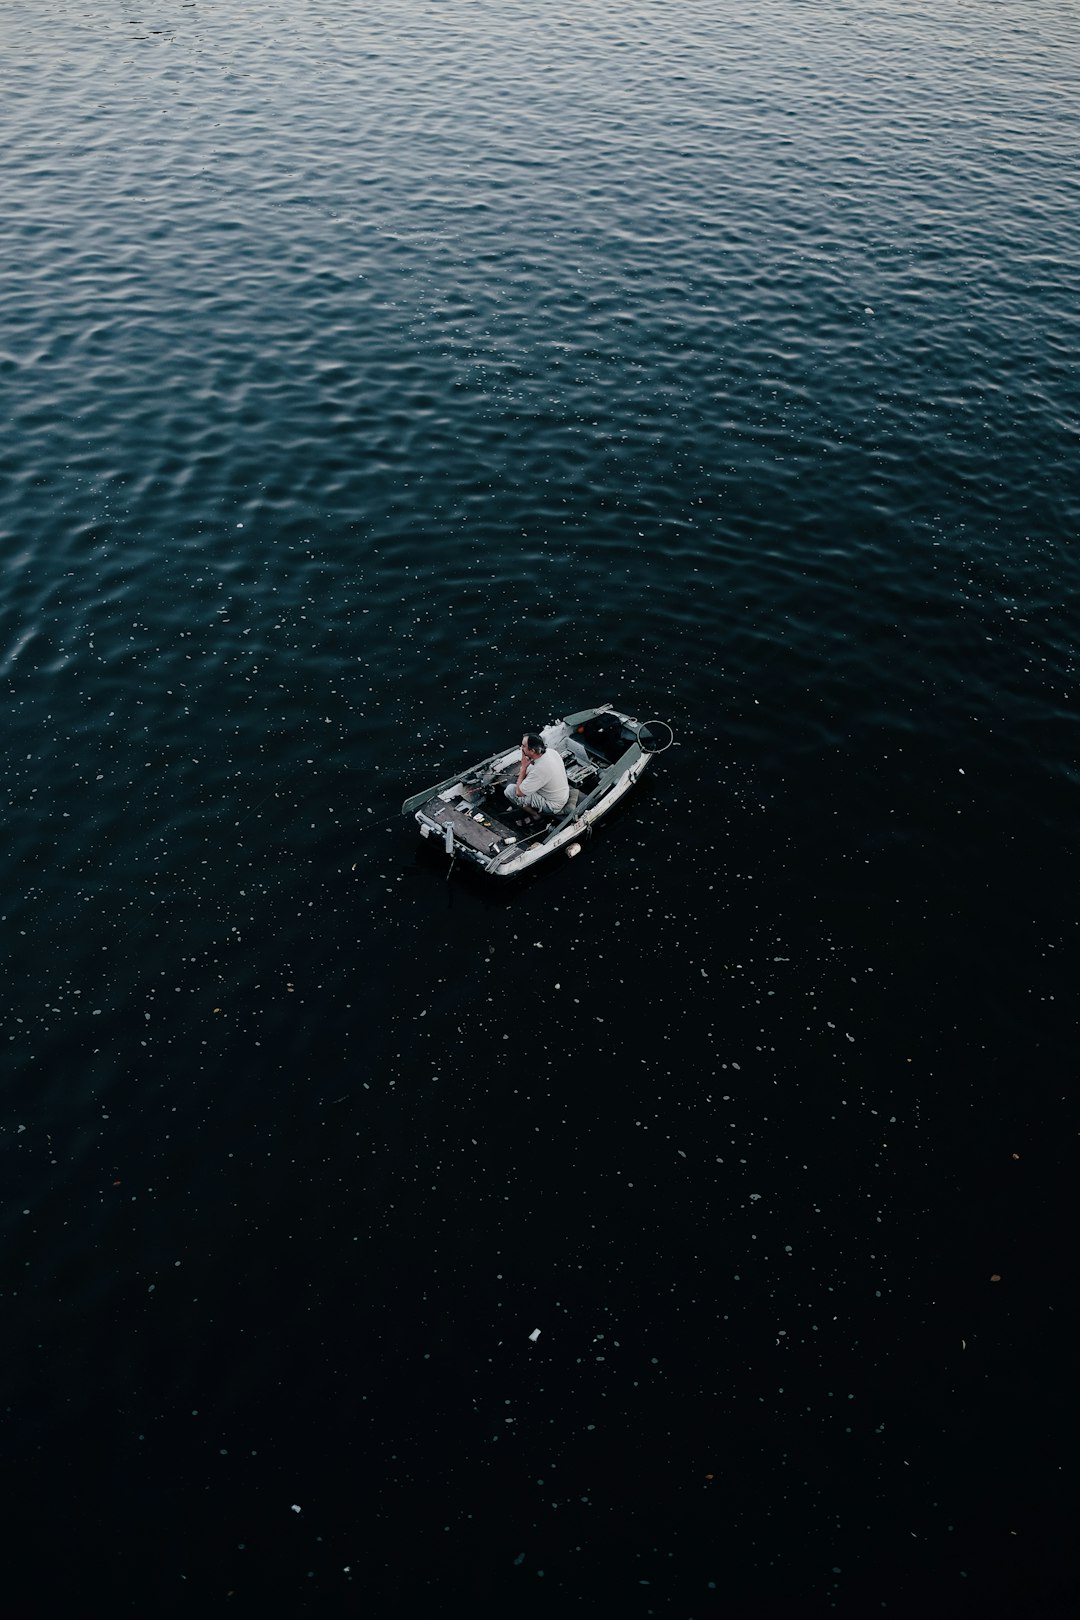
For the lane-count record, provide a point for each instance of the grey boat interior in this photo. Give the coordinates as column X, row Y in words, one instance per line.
column 483, row 818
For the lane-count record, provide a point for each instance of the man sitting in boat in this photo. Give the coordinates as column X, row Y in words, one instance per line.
column 541, row 779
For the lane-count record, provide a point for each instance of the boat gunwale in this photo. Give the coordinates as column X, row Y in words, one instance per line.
column 615, row 778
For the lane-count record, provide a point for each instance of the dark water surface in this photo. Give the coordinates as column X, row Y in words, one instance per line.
column 381, row 381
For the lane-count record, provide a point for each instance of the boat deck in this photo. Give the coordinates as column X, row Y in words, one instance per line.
column 600, row 749
column 483, row 817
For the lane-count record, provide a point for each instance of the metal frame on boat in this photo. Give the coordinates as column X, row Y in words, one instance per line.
column 604, row 752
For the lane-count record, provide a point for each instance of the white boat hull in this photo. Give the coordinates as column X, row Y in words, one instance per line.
column 467, row 814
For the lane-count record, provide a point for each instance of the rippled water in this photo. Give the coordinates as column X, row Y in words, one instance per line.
column 379, row 382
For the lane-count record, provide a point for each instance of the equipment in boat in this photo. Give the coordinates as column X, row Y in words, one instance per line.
column 604, row 752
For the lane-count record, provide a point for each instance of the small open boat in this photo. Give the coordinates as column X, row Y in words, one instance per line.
column 604, row 753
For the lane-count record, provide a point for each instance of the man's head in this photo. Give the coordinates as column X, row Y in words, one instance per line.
column 532, row 745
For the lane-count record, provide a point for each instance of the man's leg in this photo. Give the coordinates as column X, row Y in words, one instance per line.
column 528, row 801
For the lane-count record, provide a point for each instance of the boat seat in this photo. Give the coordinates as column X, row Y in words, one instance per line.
column 553, row 817
column 567, row 810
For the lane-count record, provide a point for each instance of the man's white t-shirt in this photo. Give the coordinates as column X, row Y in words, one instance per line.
column 546, row 777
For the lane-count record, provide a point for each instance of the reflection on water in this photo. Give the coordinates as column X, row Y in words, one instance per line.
column 381, row 385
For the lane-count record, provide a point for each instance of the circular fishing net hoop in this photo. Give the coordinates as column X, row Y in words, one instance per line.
column 654, row 736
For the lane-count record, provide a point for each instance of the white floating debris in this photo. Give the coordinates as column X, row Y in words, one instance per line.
column 534, row 1335
column 296, row 1507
